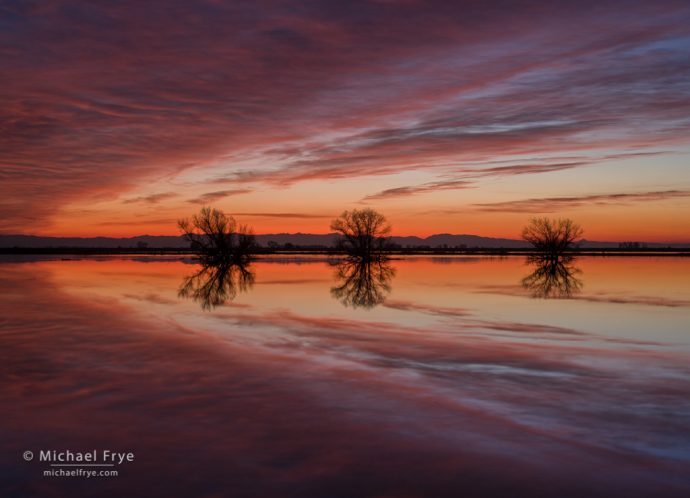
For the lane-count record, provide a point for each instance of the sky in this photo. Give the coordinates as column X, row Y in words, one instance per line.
column 119, row 118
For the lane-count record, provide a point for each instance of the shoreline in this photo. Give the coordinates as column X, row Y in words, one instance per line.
column 83, row 251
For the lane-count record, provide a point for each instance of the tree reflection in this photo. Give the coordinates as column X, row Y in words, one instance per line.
column 213, row 285
column 362, row 283
column 553, row 277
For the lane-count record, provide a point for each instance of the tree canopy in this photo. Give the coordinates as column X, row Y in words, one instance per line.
column 552, row 237
column 364, row 232
column 217, row 237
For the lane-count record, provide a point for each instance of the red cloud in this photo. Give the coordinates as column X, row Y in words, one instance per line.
column 96, row 99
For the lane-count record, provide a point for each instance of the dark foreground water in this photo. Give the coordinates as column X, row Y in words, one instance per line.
column 435, row 377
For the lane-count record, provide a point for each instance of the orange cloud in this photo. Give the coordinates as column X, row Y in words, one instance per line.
column 556, row 204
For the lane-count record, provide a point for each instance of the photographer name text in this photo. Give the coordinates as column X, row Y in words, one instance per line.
column 92, row 456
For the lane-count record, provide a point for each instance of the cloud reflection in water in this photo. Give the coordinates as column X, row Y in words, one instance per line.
column 304, row 397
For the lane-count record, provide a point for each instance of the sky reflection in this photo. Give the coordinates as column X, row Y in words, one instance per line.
column 457, row 383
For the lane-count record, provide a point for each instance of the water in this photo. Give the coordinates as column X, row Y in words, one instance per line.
column 442, row 376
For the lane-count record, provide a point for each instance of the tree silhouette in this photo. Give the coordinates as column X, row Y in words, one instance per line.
column 551, row 237
column 214, row 285
column 553, row 277
column 362, row 283
column 364, row 233
column 217, row 237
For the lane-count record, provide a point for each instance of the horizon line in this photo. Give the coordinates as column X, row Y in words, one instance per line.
column 641, row 241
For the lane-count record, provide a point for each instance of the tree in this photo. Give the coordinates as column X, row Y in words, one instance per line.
column 552, row 237
column 217, row 237
column 363, row 233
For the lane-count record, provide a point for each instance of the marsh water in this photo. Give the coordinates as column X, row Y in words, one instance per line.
column 310, row 377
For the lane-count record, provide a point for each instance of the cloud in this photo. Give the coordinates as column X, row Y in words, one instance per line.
column 286, row 215
column 554, row 204
column 469, row 174
column 96, row 101
column 151, row 199
column 220, row 194
column 130, row 222
column 419, row 189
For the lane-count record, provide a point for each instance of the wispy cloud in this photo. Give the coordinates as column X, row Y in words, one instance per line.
column 466, row 176
column 469, row 177
column 287, row 215
column 554, row 204
column 420, row 189
column 217, row 195
column 151, row 199
column 323, row 92
column 130, row 222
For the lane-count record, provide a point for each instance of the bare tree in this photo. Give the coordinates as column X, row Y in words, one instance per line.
column 364, row 233
column 217, row 237
column 552, row 237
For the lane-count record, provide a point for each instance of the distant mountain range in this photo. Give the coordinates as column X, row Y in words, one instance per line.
column 295, row 239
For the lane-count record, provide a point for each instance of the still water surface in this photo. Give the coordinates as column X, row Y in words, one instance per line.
column 434, row 377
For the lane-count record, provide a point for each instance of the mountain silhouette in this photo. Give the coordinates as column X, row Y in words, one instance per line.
column 295, row 239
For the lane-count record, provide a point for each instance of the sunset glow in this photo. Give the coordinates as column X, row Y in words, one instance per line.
column 449, row 117
column 345, row 248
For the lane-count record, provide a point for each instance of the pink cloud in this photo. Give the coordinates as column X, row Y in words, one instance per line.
column 97, row 101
